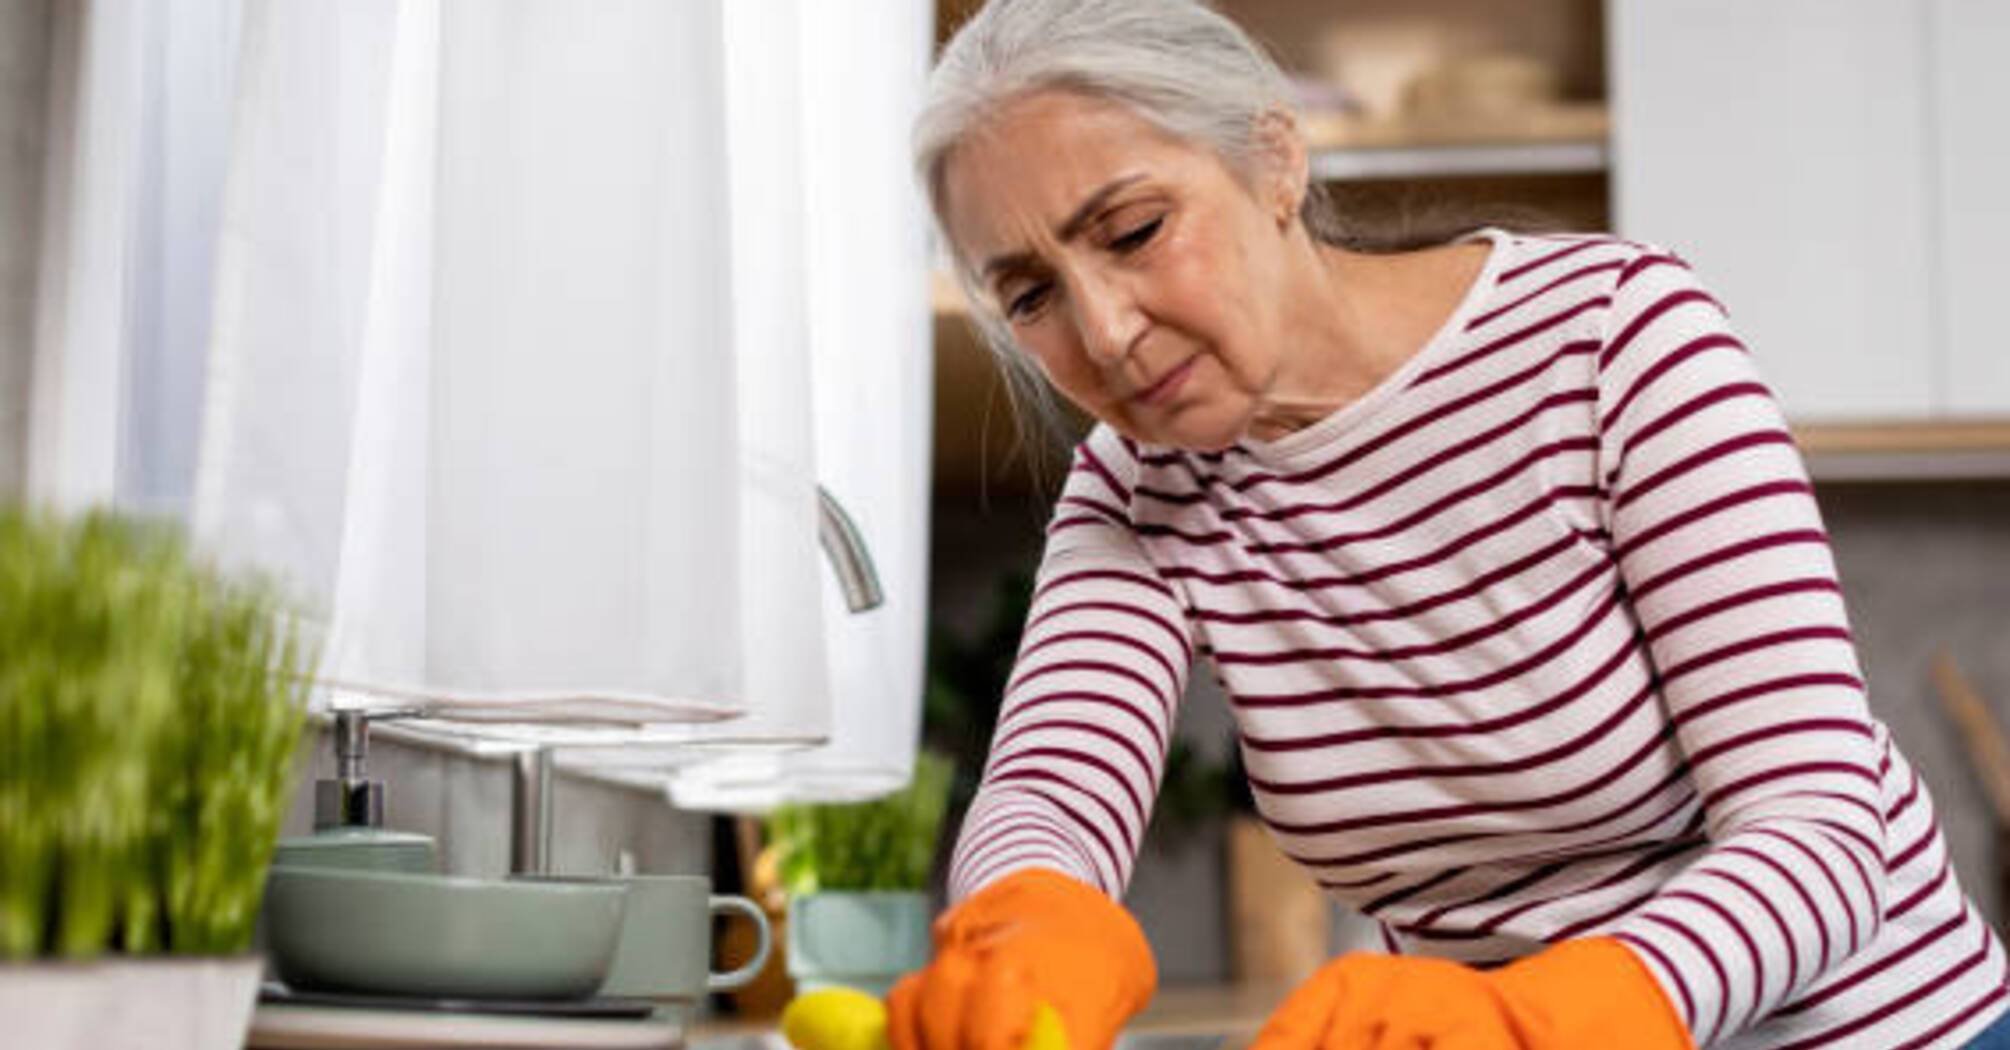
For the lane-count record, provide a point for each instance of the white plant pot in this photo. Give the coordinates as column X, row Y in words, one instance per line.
column 154, row 1003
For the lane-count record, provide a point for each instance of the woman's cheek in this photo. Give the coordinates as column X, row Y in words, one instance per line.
column 1190, row 283
column 1071, row 373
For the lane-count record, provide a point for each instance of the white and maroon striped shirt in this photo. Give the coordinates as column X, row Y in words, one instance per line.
column 1541, row 638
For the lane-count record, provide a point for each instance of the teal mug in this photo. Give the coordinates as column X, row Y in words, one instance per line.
column 861, row 939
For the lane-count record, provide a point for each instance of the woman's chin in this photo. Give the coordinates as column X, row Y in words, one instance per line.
column 1191, row 428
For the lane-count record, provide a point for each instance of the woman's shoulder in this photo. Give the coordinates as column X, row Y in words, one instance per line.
column 1529, row 255
column 1576, row 271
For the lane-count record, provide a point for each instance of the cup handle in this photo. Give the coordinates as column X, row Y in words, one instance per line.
column 764, row 941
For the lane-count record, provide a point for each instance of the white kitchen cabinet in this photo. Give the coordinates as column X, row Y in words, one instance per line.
column 1785, row 148
column 1971, row 101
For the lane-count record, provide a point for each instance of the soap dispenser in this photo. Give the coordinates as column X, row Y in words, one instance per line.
column 349, row 829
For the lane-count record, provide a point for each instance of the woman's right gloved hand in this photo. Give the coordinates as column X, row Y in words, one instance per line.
column 1034, row 936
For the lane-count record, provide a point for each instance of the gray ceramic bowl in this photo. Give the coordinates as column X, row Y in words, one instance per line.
column 366, row 849
column 440, row 936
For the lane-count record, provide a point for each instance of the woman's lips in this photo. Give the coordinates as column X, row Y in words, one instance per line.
column 1167, row 385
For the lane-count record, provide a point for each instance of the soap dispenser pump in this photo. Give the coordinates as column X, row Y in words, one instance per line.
column 350, row 799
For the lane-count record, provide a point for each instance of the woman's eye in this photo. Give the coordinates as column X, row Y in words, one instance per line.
column 1026, row 301
column 1137, row 237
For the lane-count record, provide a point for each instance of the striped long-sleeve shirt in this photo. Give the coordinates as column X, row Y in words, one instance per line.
column 1541, row 638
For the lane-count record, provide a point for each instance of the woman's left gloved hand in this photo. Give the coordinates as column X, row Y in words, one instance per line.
column 1579, row 995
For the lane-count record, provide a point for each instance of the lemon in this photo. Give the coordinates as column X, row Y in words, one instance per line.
column 835, row 1019
column 848, row 1019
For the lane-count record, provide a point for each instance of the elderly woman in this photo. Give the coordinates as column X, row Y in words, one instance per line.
column 1502, row 553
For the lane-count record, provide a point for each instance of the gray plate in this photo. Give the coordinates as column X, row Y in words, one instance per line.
column 279, row 994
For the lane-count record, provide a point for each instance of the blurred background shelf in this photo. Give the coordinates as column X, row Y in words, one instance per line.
column 1906, row 450
column 1907, row 436
column 1558, row 123
column 1540, row 140
column 1402, row 162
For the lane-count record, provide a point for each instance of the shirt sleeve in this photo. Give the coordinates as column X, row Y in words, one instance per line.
column 1730, row 576
column 1082, row 733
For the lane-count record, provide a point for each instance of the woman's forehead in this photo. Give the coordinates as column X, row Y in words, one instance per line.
column 1039, row 159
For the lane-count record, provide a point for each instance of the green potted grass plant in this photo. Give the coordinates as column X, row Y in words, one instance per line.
column 151, row 710
column 857, row 880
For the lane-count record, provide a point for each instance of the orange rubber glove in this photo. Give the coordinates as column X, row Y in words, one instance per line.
column 1586, row 994
column 1033, row 936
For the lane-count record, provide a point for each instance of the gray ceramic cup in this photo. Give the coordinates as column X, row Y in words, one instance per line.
column 664, row 953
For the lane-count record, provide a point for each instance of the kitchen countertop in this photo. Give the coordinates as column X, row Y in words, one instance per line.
column 284, row 1027
column 1179, row 1016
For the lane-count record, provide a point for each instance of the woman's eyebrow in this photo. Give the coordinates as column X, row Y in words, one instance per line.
column 1068, row 230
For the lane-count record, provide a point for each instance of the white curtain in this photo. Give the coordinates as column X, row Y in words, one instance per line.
column 858, row 81
column 137, row 136
column 517, row 336
column 821, row 102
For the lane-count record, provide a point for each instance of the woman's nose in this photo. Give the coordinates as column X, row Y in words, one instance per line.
column 1108, row 318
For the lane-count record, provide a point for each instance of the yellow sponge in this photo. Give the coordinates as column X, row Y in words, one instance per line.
column 1047, row 1032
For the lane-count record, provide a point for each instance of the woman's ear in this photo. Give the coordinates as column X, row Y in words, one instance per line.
column 1283, row 167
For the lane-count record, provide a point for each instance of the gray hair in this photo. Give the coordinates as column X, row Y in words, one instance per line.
column 1175, row 64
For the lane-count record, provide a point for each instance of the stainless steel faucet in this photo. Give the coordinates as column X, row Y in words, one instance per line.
column 848, row 555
